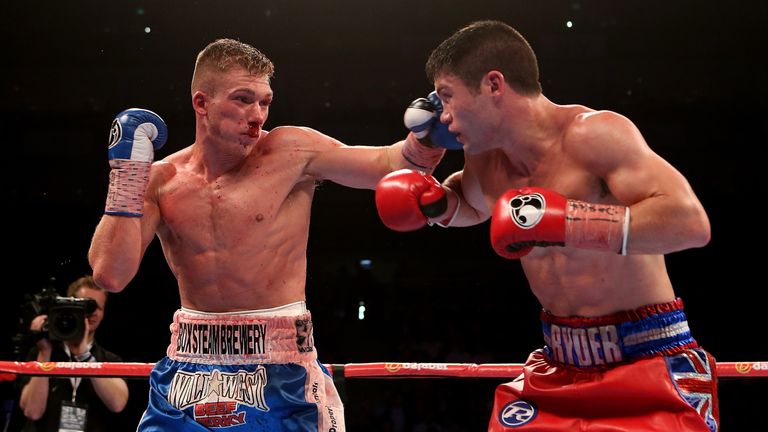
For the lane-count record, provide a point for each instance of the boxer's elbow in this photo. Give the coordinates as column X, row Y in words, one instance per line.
column 109, row 280
column 699, row 231
column 703, row 233
column 110, row 273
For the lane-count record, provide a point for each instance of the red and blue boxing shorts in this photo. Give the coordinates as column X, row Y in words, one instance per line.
column 637, row 370
column 242, row 372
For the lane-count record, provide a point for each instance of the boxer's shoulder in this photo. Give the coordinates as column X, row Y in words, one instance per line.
column 297, row 138
column 586, row 125
column 285, row 135
column 170, row 165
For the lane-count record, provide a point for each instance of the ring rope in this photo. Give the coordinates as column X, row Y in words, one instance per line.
column 10, row 369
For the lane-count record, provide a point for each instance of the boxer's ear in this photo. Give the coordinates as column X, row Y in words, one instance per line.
column 200, row 102
column 494, row 80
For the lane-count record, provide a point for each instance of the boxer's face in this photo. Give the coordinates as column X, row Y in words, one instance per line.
column 237, row 106
column 463, row 112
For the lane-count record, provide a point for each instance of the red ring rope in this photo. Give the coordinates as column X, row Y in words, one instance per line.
column 9, row 369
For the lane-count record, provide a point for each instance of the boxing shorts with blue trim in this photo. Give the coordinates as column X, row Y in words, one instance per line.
column 638, row 370
column 244, row 371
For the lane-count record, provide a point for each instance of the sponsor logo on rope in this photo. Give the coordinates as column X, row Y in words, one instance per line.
column 48, row 366
column 392, row 367
column 396, row 367
column 747, row 367
column 78, row 365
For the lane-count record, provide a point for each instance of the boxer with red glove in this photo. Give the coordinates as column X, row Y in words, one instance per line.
column 135, row 134
column 532, row 216
column 407, row 199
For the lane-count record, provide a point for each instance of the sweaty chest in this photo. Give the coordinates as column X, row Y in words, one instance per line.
column 557, row 173
column 230, row 208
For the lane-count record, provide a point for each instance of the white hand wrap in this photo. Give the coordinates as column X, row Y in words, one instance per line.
column 420, row 155
column 127, row 185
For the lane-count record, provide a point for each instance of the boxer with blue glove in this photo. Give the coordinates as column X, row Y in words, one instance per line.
column 133, row 138
column 232, row 212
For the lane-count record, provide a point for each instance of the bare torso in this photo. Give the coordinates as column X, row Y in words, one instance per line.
column 237, row 242
column 569, row 281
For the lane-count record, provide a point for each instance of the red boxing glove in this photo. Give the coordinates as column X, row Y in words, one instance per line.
column 406, row 199
column 528, row 217
column 524, row 218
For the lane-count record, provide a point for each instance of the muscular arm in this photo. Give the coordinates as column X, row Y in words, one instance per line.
column 467, row 196
column 665, row 214
column 354, row 166
column 119, row 242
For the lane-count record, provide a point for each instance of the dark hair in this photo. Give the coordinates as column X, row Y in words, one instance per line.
column 483, row 46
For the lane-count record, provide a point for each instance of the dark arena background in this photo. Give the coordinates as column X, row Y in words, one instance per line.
column 691, row 74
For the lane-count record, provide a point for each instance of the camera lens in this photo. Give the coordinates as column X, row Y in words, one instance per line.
column 65, row 325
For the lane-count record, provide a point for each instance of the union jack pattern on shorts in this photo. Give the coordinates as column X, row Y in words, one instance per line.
column 695, row 378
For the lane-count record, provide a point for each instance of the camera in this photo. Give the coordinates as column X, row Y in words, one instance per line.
column 66, row 315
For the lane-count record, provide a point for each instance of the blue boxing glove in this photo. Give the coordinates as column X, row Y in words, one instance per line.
column 422, row 117
column 135, row 135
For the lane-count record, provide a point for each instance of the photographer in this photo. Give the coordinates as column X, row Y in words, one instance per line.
column 74, row 403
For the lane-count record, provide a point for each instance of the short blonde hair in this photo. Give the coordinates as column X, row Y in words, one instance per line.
column 222, row 55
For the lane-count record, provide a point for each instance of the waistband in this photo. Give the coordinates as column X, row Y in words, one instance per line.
column 588, row 342
column 241, row 338
column 290, row 309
